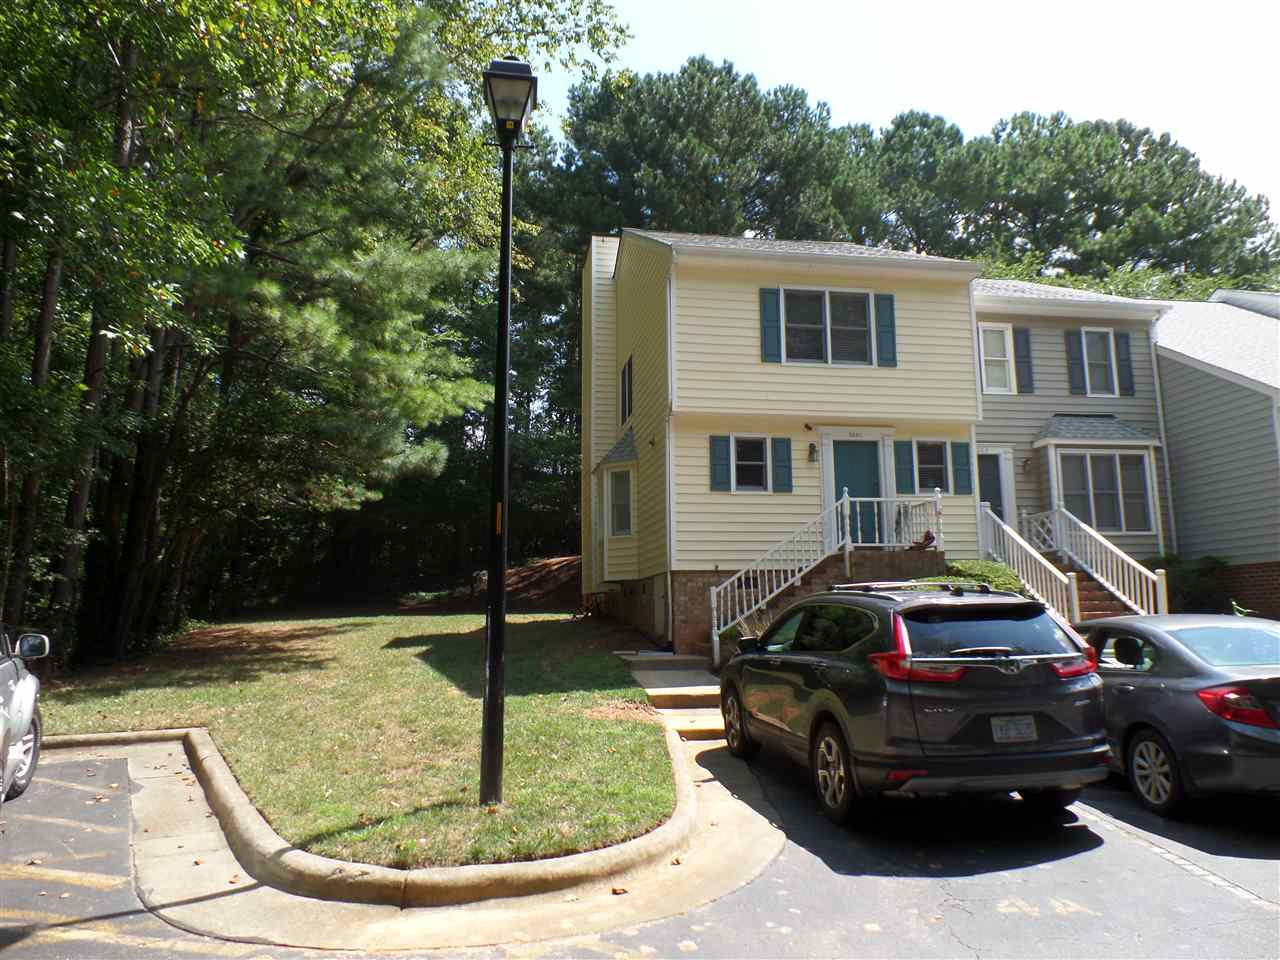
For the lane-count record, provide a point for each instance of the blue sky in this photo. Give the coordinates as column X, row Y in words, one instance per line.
column 1206, row 73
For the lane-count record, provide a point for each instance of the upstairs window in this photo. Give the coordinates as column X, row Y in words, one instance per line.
column 624, row 392
column 806, row 322
column 996, row 341
column 619, row 503
column 828, row 326
column 1099, row 363
column 850, row 327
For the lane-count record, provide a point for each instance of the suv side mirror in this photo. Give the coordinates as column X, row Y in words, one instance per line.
column 32, row 646
column 748, row 644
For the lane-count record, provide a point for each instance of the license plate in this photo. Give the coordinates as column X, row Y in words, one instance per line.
column 1018, row 729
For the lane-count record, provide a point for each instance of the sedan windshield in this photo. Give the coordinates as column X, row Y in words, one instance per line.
column 984, row 631
column 1232, row 646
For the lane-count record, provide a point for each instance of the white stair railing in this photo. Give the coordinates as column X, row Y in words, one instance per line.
column 999, row 541
column 850, row 522
column 1142, row 590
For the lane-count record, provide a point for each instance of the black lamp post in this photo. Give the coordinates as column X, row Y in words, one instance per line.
column 511, row 90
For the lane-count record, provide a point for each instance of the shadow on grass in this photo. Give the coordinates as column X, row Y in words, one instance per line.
column 555, row 656
column 369, row 823
column 211, row 657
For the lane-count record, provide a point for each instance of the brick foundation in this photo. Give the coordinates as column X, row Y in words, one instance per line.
column 691, row 588
column 1255, row 586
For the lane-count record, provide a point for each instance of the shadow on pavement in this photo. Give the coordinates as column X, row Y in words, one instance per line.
column 944, row 837
column 1225, row 825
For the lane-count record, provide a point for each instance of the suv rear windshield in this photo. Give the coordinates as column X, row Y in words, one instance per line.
column 1023, row 629
column 1242, row 646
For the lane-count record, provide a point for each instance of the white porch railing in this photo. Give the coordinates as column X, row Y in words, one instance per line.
column 1142, row 590
column 850, row 522
column 999, row 541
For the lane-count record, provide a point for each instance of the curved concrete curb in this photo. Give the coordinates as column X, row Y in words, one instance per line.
column 268, row 858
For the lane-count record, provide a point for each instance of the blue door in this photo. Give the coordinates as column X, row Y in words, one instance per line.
column 857, row 466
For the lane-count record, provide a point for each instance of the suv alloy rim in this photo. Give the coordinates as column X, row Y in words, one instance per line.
column 1152, row 772
column 732, row 721
column 832, row 778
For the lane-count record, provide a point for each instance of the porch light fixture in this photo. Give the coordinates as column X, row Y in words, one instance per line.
column 511, row 91
column 813, row 453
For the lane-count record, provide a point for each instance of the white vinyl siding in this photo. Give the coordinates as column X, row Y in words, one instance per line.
column 719, row 368
column 599, row 399
column 1226, row 465
column 1016, row 421
column 996, row 343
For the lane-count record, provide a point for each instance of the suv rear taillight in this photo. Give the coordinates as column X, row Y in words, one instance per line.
column 1235, row 703
column 1088, row 663
column 897, row 665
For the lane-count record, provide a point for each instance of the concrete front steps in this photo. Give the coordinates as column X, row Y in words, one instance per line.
column 1096, row 601
column 683, row 690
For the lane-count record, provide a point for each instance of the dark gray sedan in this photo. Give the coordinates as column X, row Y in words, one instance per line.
column 1192, row 703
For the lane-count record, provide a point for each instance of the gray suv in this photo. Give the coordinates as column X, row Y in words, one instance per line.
column 921, row 689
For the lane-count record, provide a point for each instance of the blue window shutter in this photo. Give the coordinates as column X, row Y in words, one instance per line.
column 904, row 466
column 1075, row 360
column 770, row 326
column 719, row 463
column 781, row 456
column 886, row 332
column 1124, row 364
column 1022, row 359
column 961, row 468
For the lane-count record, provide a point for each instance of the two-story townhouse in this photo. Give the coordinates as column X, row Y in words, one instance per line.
column 734, row 389
column 1219, row 366
column 1070, row 444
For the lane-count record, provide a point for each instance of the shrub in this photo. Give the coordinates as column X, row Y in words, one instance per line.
column 1195, row 586
column 996, row 575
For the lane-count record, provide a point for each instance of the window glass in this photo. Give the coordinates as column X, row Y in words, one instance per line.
column 781, row 639
column 1024, row 629
column 1075, row 487
column 931, row 465
column 850, row 328
column 834, row 627
column 1133, row 483
column 1106, row 492
column 1097, row 348
column 806, row 325
column 624, row 403
column 1231, row 645
column 750, row 463
column 620, row 503
column 995, row 360
column 1141, row 654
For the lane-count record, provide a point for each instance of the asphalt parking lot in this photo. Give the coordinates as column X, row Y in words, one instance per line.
column 941, row 878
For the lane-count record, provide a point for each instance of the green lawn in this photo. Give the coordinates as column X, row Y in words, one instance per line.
column 359, row 737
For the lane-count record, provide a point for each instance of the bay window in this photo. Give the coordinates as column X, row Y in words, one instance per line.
column 1108, row 491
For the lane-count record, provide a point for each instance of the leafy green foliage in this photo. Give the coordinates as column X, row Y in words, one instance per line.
column 1195, row 586
column 996, row 575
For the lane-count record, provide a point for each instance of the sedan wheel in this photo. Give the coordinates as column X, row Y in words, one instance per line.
column 1153, row 772
column 832, row 773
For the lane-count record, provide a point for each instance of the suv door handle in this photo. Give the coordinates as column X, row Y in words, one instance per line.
column 1124, row 688
column 774, row 662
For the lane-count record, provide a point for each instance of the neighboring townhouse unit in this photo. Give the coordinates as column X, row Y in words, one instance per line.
column 1070, row 447
column 1219, row 366
column 734, row 389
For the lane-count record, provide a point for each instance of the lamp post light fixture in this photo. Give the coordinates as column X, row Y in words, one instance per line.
column 511, row 91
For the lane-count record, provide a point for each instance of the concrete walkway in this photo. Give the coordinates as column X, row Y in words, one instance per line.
column 186, row 874
column 684, row 691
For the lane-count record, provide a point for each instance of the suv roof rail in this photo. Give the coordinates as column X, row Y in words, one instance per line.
column 875, row 586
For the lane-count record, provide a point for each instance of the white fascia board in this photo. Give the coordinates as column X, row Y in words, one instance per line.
column 1085, row 309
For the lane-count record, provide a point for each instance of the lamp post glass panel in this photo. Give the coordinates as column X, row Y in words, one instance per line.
column 511, row 91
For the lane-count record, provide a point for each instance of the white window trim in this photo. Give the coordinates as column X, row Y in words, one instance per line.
column 949, row 489
column 826, row 292
column 608, row 498
column 1084, row 354
column 733, row 462
column 1145, row 453
column 1006, row 329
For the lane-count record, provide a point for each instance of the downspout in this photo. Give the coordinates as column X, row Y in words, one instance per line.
column 1164, row 442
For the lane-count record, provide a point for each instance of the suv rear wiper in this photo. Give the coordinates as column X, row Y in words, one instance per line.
column 991, row 651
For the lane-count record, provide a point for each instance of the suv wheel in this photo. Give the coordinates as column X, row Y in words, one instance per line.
column 735, row 726
column 832, row 773
column 1153, row 772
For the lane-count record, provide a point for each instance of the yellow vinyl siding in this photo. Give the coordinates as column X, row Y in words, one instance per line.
column 599, row 399
column 718, row 365
column 720, row 529
column 642, row 271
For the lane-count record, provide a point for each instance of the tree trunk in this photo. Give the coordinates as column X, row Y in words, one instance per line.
column 28, row 513
column 8, row 276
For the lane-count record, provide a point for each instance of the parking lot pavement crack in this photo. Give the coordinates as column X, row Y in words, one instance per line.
column 1194, row 869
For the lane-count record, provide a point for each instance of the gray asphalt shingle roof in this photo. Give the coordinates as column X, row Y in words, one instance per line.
column 1046, row 291
column 810, row 248
column 624, row 451
column 1093, row 429
column 1244, row 342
